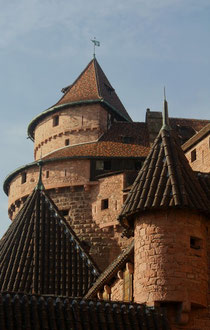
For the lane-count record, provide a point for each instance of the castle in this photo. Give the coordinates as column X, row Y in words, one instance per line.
column 116, row 211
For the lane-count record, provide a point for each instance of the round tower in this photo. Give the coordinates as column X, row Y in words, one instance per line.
column 167, row 210
column 68, row 138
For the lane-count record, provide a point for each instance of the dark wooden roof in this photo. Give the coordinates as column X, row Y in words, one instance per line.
column 31, row 312
column 41, row 254
column 111, row 270
column 119, row 131
column 165, row 180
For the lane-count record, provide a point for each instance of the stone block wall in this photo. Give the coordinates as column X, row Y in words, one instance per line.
column 171, row 258
column 109, row 189
column 101, row 244
column 78, row 124
column 55, row 174
column 199, row 155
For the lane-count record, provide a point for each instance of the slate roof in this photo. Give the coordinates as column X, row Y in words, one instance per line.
column 137, row 131
column 195, row 124
column 41, row 254
column 33, row 312
column 165, row 180
column 101, row 149
column 111, row 271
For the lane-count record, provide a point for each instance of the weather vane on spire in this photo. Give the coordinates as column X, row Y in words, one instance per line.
column 95, row 43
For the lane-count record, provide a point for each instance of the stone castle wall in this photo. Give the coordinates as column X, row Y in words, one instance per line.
column 171, row 258
column 55, row 174
column 200, row 160
column 76, row 125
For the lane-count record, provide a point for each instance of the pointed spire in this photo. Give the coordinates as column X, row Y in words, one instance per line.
column 40, row 185
column 165, row 113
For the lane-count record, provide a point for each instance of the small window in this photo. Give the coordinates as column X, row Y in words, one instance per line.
column 193, row 155
column 64, row 213
column 47, row 174
column 23, row 177
column 195, row 243
column 104, row 204
column 67, row 142
column 55, row 120
column 103, row 165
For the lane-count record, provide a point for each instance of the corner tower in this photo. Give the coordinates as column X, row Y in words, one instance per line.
column 168, row 212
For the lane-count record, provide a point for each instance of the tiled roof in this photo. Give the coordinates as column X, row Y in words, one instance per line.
column 101, row 149
column 31, row 312
column 41, row 254
column 165, row 180
column 119, row 131
column 111, row 271
column 196, row 138
column 92, row 84
column 196, row 124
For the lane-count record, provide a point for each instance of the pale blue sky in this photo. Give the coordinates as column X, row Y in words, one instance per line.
column 145, row 44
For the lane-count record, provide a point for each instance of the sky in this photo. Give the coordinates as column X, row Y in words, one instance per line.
column 145, row 45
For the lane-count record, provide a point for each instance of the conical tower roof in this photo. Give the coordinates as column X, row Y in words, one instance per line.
column 41, row 254
column 92, row 86
column 165, row 180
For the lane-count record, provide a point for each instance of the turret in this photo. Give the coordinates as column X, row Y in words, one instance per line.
column 86, row 110
column 167, row 211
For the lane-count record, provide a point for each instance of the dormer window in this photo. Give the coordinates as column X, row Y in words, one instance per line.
column 109, row 89
column 55, row 120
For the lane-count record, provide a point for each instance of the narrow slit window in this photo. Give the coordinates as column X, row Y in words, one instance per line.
column 193, row 155
column 67, row 142
column 47, row 174
column 55, row 121
column 23, row 177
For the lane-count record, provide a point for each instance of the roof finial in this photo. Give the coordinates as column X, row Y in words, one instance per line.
column 40, row 185
column 165, row 112
column 95, row 43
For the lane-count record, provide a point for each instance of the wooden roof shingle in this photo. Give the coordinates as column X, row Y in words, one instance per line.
column 41, row 254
